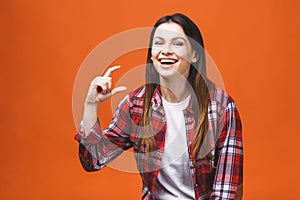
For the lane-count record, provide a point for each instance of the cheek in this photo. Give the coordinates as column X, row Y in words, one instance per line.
column 154, row 52
column 154, row 55
column 183, row 54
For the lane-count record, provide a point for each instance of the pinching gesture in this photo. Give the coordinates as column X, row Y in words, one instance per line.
column 100, row 88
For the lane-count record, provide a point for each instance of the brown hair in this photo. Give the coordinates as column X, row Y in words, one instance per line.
column 197, row 79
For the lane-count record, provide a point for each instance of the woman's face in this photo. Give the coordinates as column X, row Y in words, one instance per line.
column 171, row 52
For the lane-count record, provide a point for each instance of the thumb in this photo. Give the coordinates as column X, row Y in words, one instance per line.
column 118, row 89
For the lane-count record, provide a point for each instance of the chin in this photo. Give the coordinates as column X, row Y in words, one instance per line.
column 167, row 72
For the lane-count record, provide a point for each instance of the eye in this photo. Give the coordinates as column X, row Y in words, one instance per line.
column 179, row 44
column 158, row 42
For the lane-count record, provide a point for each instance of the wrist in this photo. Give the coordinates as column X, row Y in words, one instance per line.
column 90, row 104
column 90, row 109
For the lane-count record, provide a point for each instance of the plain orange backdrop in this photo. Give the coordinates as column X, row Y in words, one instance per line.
column 255, row 45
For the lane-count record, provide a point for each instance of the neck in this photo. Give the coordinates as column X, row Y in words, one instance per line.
column 175, row 90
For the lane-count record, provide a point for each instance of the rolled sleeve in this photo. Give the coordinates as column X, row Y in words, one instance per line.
column 98, row 148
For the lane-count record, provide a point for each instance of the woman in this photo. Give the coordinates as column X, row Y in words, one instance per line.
column 186, row 133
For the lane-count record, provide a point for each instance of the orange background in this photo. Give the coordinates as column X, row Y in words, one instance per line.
column 255, row 45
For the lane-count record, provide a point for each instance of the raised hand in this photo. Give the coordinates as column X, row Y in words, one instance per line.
column 100, row 88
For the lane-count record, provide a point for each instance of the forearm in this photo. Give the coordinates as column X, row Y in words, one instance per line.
column 90, row 116
column 95, row 150
column 88, row 152
column 98, row 148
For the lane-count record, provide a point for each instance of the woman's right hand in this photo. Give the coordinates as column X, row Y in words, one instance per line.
column 100, row 88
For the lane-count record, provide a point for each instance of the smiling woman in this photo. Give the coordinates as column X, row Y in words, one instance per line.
column 171, row 50
column 186, row 133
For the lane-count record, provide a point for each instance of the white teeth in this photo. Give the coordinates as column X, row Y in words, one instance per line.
column 167, row 61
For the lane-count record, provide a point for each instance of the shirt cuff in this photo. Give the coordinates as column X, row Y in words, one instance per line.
column 94, row 135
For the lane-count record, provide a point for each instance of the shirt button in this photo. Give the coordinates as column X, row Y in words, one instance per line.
column 196, row 185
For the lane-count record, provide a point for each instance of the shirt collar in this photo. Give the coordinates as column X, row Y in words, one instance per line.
column 156, row 102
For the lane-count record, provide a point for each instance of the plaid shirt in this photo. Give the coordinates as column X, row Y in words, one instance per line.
column 215, row 177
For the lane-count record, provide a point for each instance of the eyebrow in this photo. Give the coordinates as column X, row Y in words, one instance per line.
column 175, row 38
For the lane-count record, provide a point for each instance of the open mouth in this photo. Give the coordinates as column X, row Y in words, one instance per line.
column 167, row 61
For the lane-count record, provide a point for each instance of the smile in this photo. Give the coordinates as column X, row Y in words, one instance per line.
column 167, row 61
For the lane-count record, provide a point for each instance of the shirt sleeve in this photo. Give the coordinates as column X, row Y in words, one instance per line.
column 229, row 171
column 101, row 147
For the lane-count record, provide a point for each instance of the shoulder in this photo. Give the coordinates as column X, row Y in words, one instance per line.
column 223, row 108
column 133, row 98
column 137, row 93
column 220, row 96
column 135, row 101
column 136, row 97
column 221, row 100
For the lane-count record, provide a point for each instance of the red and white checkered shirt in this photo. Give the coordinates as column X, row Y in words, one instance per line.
column 214, row 177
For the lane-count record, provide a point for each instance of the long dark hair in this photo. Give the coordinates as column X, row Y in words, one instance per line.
column 197, row 79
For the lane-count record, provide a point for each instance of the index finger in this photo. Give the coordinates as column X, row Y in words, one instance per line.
column 110, row 70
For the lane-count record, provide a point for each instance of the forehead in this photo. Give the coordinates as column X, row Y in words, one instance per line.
column 169, row 30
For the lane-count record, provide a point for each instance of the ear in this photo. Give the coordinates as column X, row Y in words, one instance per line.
column 195, row 57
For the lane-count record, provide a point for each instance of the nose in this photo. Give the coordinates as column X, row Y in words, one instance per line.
column 166, row 52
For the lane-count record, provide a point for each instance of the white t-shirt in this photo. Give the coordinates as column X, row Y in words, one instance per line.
column 174, row 179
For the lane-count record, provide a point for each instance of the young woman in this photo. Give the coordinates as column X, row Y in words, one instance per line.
column 186, row 132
